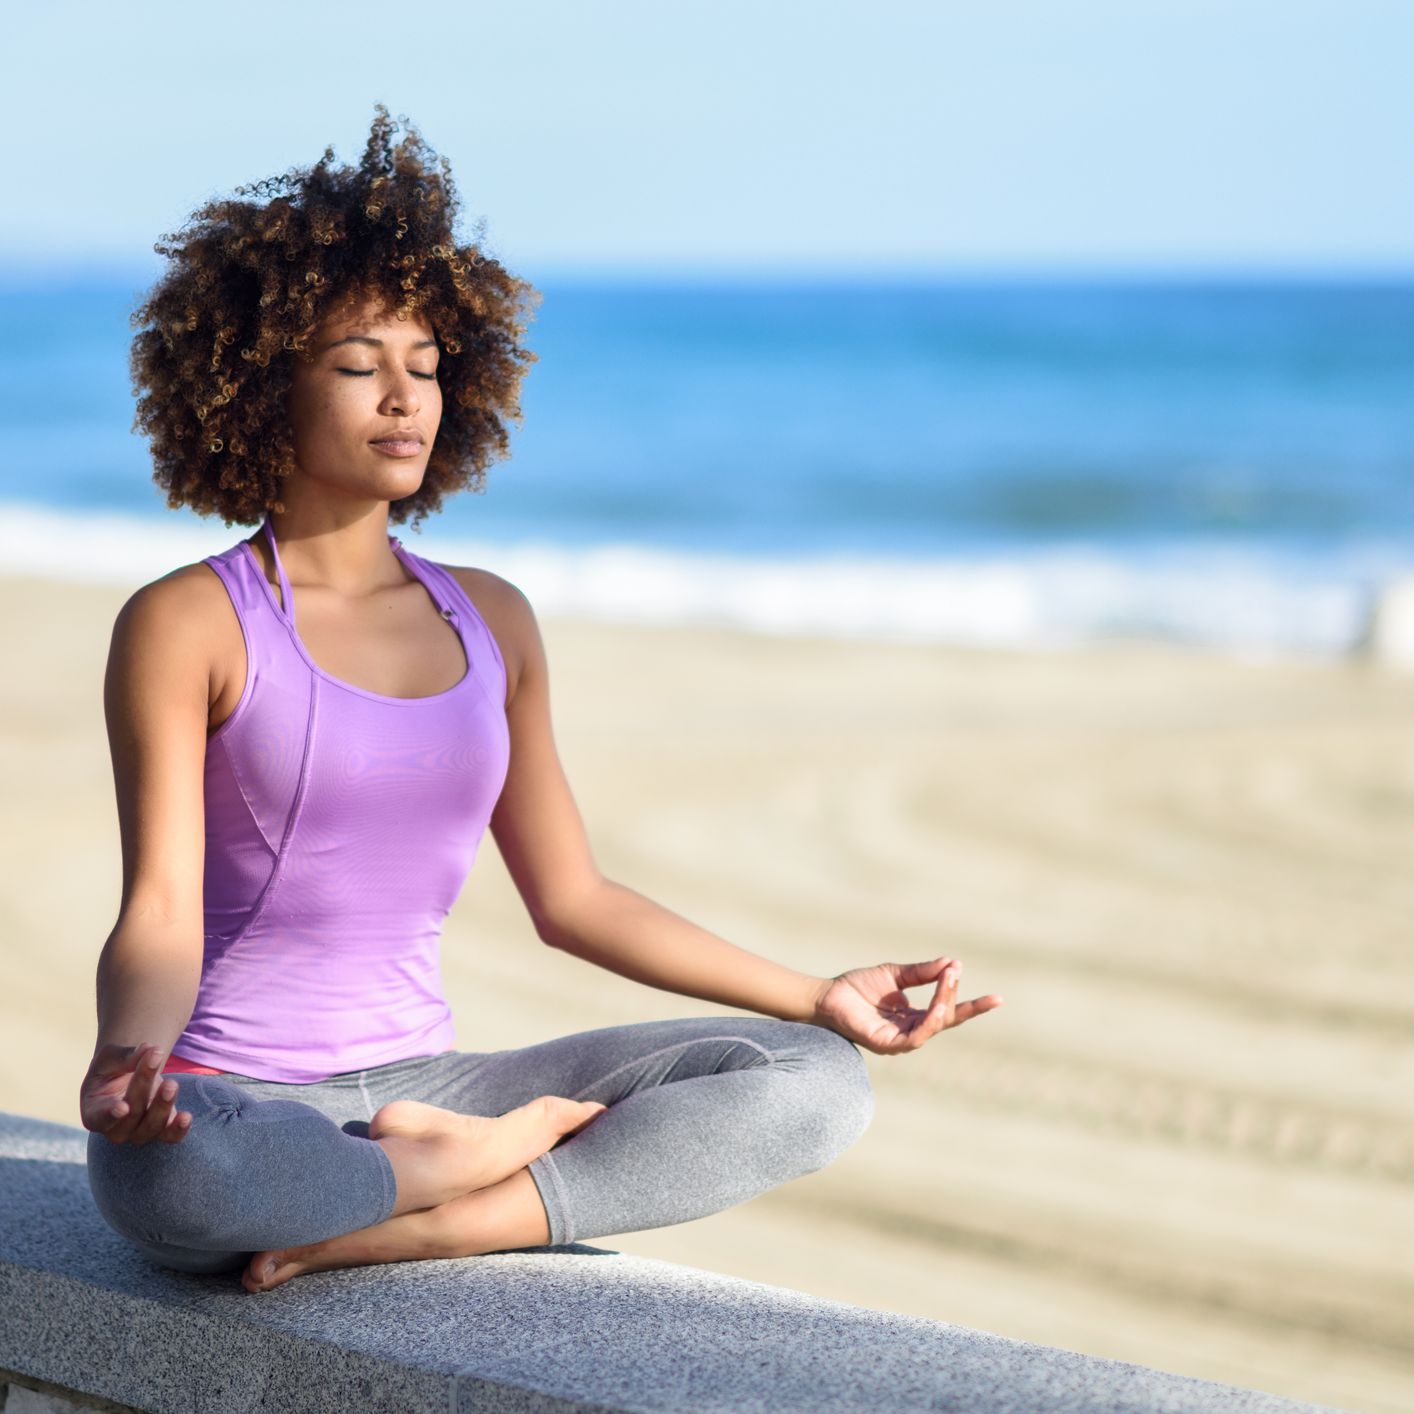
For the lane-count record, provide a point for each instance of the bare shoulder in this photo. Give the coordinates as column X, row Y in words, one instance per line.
column 188, row 600
column 508, row 615
column 183, row 620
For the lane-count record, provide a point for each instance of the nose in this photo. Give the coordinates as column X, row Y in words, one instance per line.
column 402, row 399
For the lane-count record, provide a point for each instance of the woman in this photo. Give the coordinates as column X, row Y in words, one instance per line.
column 311, row 732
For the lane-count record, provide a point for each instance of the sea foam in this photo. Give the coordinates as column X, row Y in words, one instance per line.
column 1245, row 602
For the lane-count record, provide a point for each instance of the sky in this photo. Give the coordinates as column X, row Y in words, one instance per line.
column 879, row 137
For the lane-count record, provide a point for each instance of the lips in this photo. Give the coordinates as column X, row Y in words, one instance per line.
column 404, row 451
column 400, row 444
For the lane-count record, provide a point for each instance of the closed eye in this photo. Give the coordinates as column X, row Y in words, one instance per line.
column 368, row 373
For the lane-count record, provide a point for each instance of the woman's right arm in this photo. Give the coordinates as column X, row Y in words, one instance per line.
column 156, row 698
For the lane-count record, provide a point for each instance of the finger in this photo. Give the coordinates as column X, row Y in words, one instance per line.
column 149, row 1075
column 142, row 1068
column 154, row 1122
column 942, row 1012
column 113, row 1120
column 915, row 974
column 177, row 1129
column 159, row 1112
column 135, row 1098
column 934, row 1019
column 117, row 1119
column 937, row 1008
column 978, row 1006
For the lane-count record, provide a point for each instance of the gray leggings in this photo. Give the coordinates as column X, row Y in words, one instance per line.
column 704, row 1113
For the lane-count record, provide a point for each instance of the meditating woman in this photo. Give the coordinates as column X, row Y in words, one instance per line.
column 311, row 731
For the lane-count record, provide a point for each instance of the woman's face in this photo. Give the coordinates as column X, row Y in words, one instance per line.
column 365, row 409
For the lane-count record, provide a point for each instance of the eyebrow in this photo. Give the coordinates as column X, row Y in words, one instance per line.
column 377, row 343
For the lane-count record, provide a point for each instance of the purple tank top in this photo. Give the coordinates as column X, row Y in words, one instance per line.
column 340, row 827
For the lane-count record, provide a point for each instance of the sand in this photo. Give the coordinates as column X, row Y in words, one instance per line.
column 1185, row 1140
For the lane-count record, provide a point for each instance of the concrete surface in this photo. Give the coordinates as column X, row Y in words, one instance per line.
column 546, row 1329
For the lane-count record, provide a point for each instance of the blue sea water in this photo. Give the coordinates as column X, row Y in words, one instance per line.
column 1010, row 463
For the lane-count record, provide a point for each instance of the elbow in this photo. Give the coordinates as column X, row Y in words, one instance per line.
column 554, row 930
column 559, row 921
column 549, row 934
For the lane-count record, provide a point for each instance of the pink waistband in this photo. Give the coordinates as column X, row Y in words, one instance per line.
column 186, row 1067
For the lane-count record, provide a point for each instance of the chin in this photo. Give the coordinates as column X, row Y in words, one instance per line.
column 402, row 490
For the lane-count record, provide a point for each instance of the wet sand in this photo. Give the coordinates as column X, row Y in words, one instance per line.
column 1186, row 1139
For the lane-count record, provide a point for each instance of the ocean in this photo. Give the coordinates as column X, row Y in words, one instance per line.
column 1026, row 463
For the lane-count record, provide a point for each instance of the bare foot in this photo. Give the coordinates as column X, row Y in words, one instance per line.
column 473, row 1151
column 461, row 1153
column 403, row 1239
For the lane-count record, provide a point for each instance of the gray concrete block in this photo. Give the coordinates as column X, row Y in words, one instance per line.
column 546, row 1329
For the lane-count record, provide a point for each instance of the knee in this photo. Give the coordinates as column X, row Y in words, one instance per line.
column 839, row 1092
column 853, row 1089
column 160, row 1193
column 150, row 1193
column 131, row 1184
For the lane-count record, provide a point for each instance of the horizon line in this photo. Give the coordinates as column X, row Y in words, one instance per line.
column 17, row 274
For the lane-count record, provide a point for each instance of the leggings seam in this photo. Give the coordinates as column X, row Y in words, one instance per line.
column 663, row 1050
column 363, row 1090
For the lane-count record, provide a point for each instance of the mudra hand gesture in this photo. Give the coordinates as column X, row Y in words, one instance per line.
column 867, row 1004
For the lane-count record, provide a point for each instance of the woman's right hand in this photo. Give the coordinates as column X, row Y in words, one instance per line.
column 125, row 1098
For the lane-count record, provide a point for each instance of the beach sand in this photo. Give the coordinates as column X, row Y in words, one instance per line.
column 1185, row 1139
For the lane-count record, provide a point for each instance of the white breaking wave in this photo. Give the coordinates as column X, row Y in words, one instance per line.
column 1248, row 602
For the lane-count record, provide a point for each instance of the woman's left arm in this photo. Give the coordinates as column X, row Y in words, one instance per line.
column 541, row 836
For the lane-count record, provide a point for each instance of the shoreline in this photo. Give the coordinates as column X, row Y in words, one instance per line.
column 1250, row 602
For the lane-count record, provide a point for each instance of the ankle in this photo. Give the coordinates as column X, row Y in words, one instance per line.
column 510, row 1215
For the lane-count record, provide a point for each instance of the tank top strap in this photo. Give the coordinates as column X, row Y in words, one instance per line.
column 469, row 620
column 287, row 599
column 427, row 574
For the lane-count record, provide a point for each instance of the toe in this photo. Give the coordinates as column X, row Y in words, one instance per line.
column 264, row 1270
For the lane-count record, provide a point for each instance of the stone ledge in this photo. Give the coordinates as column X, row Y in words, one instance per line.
column 543, row 1330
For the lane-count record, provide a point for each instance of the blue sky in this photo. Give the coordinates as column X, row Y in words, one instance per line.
column 745, row 135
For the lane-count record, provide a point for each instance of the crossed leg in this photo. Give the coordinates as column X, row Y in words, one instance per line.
column 502, row 1214
column 701, row 1113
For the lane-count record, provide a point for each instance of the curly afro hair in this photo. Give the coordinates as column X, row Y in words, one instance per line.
column 252, row 281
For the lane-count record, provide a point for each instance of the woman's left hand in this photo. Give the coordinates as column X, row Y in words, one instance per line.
column 867, row 1005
